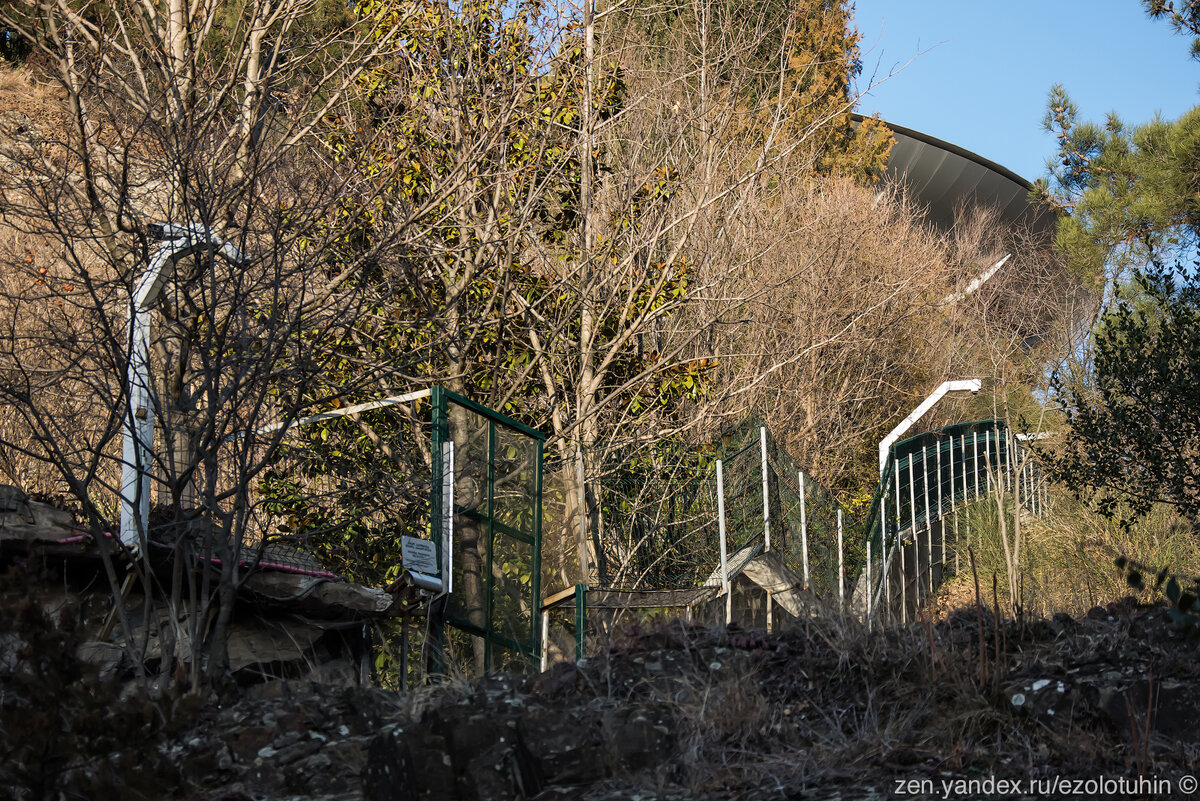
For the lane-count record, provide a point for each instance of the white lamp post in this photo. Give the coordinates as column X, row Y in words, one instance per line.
column 179, row 241
column 971, row 385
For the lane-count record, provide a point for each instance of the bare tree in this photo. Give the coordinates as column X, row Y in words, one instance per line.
column 206, row 131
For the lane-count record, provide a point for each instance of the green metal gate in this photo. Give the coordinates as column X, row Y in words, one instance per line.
column 488, row 510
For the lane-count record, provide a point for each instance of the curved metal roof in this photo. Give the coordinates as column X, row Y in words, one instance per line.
column 941, row 176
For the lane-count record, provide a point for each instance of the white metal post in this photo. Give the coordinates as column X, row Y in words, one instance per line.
column 962, row 447
column 987, row 460
column 1011, row 469
column 138, row 439
column 903, row 582
column 953, row 505
column 899, row 543
column 883, row 547
column 870, row 589
column 928, row 517
column 545, row 641
column 975, row 447
column 762, row 438
column 721, row 527
column 972, row 385
column 804, row 530
column 939, row 477
column 929, row 556
column 912, row 500
column 179, row 241
column 925, row 480
column 841, row 566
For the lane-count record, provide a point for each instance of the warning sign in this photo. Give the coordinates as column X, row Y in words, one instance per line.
column 419, row 555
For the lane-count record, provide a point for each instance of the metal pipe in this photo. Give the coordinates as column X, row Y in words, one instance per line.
column 987, row 459
column 903, row 583
column 951, row 460
column 545, row 641
column 580, row 622
column 939, row 477
column 971, row 385
column 912, row 498
column 929, row 556
column 721, row 526
column 762, row 437
column 803, row 529
column 883, row 548
column 925, row 481
column 870, row 589
column 975, row 448
column 962, row 446
column 841, row 566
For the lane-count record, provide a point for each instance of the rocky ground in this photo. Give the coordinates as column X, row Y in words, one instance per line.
column 826, row 710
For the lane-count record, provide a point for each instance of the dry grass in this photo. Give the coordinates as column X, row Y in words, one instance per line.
column 1067, row 557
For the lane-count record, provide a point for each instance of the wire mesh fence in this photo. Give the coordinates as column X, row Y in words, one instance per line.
column 926, row 479
column 663, row 519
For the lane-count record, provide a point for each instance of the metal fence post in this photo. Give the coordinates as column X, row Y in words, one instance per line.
column 962, row 447
column 975, row 447
column 721, row 526
column 939, row 475
column 803, row 530
column 870, row 589
column 912, row 501
column 900, row 547
column 580, row 621
column 928, row 516
column 545, row 640
column 987, row 459
column 841, row 566
column 762, row 438
column 929, row 556
column 883, row 556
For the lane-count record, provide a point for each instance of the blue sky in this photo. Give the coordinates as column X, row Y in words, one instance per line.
column 977, row 73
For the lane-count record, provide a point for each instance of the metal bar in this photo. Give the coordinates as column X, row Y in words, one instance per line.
column 912, row 498
column 953, row 505
column 928, row 517
column 545, row 641
column 804, row 529
column 929, row 556
column 349, row 410
column 536, row 573
column 962, row 447
column 899, row 542
column 581, row 501
column 580, row 621
column 903, row 583
column 841, row 565
column 883, row 547
column 1009, row 437
column 939, row 475
column 987, row 460
column 969, row 385
column 762, row 438
column 925, row 481
column 975, row 448
column 721, row 526
column 491, row 544
column 870, row 589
